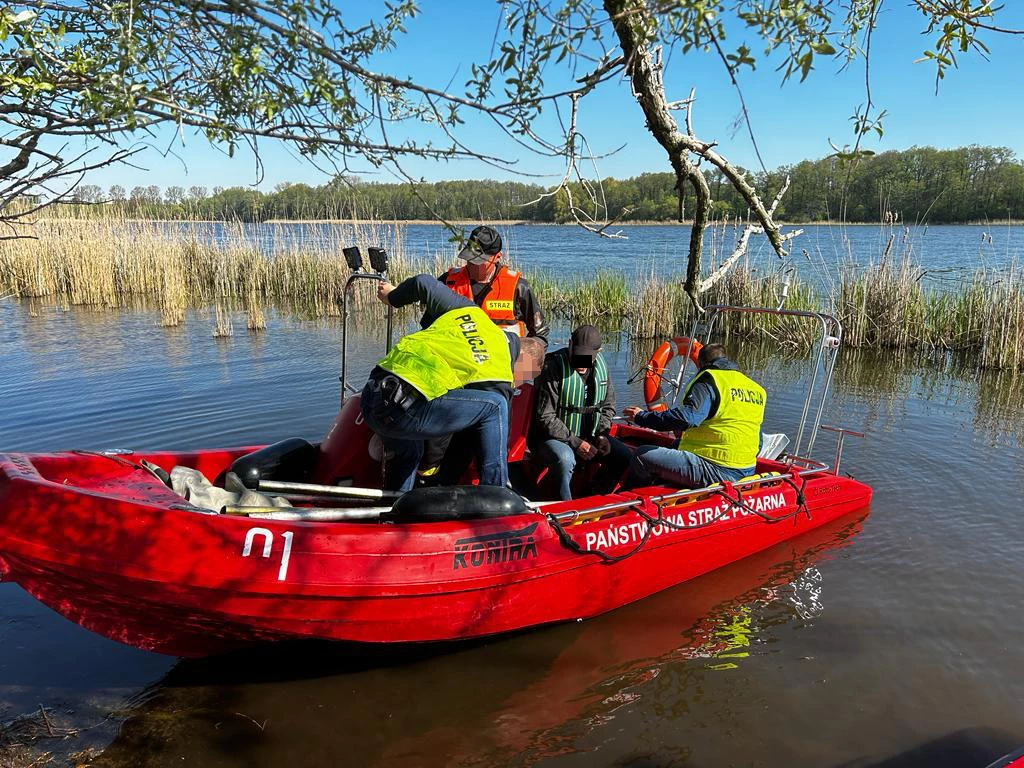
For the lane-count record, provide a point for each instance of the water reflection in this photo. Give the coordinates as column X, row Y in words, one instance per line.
column 1000, row 393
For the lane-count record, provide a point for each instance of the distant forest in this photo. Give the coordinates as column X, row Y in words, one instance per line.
column 920, row 184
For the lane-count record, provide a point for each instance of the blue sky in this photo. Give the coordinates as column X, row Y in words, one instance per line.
column 979, row 103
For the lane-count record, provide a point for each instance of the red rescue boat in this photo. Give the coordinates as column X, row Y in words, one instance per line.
column 112, row 548
column 102, row 539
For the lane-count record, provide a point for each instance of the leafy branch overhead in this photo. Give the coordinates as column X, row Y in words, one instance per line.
column 88, row 83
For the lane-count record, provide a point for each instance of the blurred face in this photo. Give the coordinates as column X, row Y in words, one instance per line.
column 581, row 363
column 524, row 370
column 480, row 273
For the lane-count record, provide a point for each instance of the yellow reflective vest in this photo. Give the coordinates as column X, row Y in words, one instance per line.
column 731, row 437
column 461, row 347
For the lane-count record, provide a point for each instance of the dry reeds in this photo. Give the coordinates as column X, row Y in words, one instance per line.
column 222, row 327
column 661, row 308
column 175, row 267
column 886, row 306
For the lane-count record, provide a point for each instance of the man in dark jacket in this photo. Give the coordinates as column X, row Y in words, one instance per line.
column 720, row 419
column 573, row 409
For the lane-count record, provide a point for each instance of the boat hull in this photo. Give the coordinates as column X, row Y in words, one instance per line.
column 127, row 559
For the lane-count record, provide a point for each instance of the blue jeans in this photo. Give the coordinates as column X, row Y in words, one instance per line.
column 681, row 468
column 561, row 460
column 403, row 430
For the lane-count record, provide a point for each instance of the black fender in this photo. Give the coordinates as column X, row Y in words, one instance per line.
column 455, row 502
column 292, row 459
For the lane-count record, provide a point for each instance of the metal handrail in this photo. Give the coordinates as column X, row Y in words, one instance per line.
column 790, row 459
column 843, row 432
column 355, row 277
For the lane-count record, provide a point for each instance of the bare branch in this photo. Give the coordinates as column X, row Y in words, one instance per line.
column 725, row 266
column 572, row 157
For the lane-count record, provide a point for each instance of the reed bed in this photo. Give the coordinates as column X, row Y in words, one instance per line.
column 604, row 300
column 111, row 263
column 174, row 268
column 661, row 308
column 887, row 306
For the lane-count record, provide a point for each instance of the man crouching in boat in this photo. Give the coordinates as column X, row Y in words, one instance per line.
column 456, row 374
column 721, row 417
column 572, row 413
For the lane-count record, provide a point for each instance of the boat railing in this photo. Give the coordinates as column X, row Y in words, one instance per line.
column 378, row 259
column 807, row 467
column 843, row 432
column 804, row 462
column 799, row 468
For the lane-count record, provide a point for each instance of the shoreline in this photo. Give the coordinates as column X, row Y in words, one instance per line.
column 527, row 223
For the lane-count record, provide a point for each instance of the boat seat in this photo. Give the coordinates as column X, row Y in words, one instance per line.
column 519, row 423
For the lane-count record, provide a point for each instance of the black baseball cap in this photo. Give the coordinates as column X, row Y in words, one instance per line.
column 585, row 341
column 482, row 244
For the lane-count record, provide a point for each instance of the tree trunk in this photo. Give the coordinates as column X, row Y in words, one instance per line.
column 633, row 24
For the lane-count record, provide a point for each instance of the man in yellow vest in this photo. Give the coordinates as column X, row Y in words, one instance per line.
column 506, row 297
column 720, row 416
column 456, row 374
column 572, row 414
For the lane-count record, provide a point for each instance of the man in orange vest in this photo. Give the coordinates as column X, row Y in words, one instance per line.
column 499, row 291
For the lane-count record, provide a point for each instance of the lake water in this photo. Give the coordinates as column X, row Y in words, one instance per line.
column 886, row 639
column 945, row 253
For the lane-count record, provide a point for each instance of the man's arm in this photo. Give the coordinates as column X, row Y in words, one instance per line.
column 695, row 409
column 437, row 298
column 545, row 407
column 528, row 309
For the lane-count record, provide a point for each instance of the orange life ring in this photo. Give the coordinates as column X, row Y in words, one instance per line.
column 653, row 393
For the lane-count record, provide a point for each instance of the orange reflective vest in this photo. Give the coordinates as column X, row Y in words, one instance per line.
column 498, row 302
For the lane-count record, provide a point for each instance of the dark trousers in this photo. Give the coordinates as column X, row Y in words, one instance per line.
column 562, row 461
column 404, row 420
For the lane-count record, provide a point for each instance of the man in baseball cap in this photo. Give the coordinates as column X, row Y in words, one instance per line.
column 502, row 294
column 499, row 291
column 483, row 243
column 573, row 409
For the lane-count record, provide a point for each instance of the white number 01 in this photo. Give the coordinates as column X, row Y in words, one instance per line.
column 268, row 546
